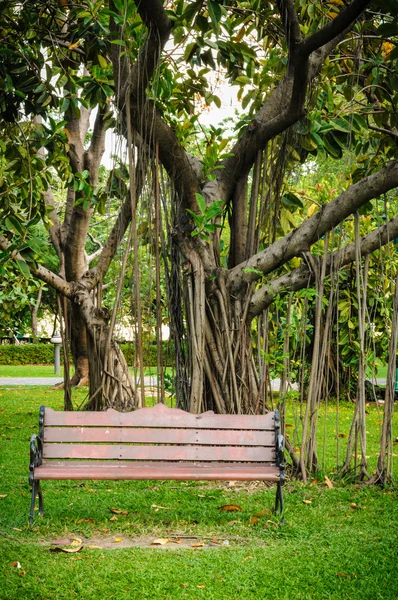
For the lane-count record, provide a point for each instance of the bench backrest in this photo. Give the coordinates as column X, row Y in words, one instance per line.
column 159, row 434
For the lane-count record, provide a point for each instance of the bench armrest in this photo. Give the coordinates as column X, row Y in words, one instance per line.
column 36, row 454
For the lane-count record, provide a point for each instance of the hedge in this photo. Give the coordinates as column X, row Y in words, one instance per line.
column 43, row 354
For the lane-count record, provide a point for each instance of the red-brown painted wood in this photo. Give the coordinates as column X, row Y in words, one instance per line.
column 158, row 416
column 162, row 471
column 222, row 437
column 146, row 453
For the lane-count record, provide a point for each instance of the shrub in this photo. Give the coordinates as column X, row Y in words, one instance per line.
column 43, row 354
column 150, row 354
column 27, row 354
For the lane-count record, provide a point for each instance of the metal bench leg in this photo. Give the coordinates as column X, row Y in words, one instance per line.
column 33, row 502
column 279, row 502
column 41, row 505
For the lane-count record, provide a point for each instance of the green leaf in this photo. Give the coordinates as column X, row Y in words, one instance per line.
column 217, row 101
column 202, row 23
column 47, row 101
column 290, row 200
column 243, row 79
column 308, row 142
column 215, row 13
column 102, row 62
column 201, row 202
column 23, row 267
column 13, row 224
column 190, row 51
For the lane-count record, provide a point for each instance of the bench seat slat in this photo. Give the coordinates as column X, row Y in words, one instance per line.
column 159, row 436
column 159, row 415
column 192, row 453
column 143, row 471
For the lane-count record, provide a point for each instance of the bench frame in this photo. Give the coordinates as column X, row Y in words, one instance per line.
column 234, row 455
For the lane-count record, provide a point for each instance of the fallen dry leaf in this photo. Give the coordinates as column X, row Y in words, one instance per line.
column 118, row 511
column 184, row 585
column 265, row 511
column 86, row 520
column 246, row 558
column 76, row 542
column 95, row 547
column 353, row 505
column 230, row 508
column 61, row 542
column 160, row 541
column 67, row 550
column 307, row 501
column 201, row 587
column 253, row 520
column 342, row 435
column 157, row 507
column 198, row 545
column 16, row 529
column 288, row 425
column 328, row 482
column 117, row 540
column 16, row 564
column 176, row 541
column 232, row 522
column 114, row 518
column 3, row 495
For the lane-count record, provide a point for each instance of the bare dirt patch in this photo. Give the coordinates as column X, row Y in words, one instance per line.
column 114, row 542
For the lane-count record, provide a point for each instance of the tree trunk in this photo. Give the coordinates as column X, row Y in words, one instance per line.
column 111, row 384
column 79, row 346
column 223, row 371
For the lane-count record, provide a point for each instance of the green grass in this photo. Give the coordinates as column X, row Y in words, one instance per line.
column 381, row 372
column 28, row 371
column 342, row 543
column 48, row 371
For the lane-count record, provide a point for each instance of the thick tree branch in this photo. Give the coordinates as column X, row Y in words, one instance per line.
column 119, row 229
column 315, row 227
column 284, row 108
column 145, row 118
column 343, row 20
column 55, row 229
column 291, row 24
column 40, row 272
column 304, row 276
column 159, row 26
column 286, row 104
column 93, row 155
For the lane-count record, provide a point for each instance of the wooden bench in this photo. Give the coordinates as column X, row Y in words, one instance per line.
column 155, row 443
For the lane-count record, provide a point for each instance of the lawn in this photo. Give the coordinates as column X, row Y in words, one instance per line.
column 339, row 542
column 48, row 371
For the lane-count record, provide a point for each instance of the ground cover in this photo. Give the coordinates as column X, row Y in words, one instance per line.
column 48, row 371
column 339, row 542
